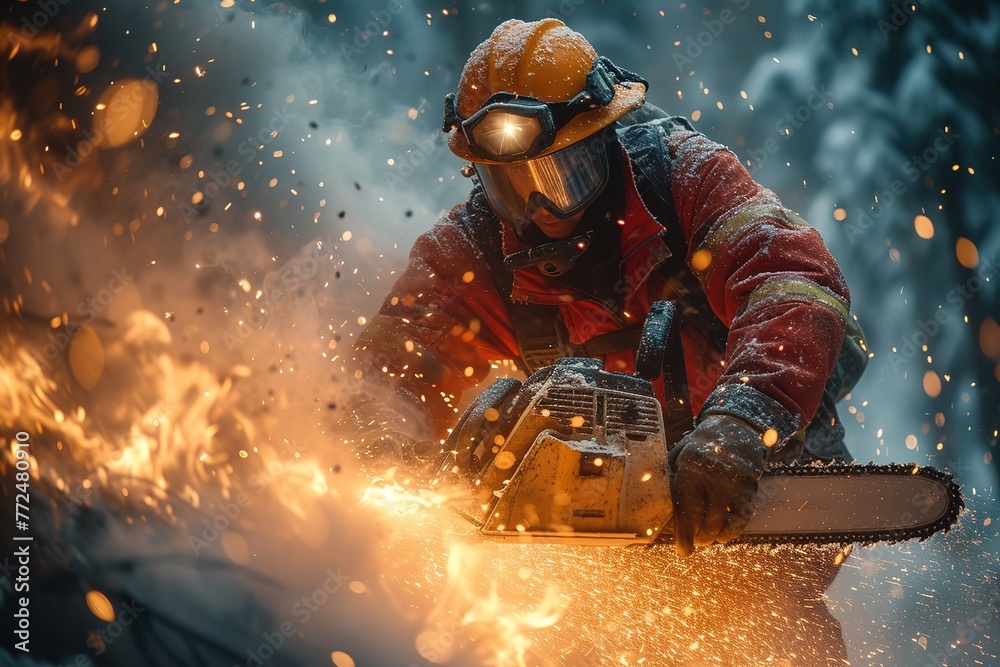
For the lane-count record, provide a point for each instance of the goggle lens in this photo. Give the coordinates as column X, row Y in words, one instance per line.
column 502, row 133
column 563, row 182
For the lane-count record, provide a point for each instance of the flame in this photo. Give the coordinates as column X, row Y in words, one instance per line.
column 388, row 493
column 502, row 629
column 158, row 430
column 474, row 608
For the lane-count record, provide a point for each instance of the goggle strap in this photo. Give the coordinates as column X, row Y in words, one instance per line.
column 599, row 89
column 622, row 75
column 451, row 117
column 601, row 81
column 602, row 78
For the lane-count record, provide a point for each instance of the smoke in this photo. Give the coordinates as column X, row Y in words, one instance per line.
column 184, row 273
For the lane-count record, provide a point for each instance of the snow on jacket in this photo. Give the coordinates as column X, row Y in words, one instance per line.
column 766, row 274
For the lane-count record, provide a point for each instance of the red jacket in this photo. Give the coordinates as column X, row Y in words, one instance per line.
column 769, row 278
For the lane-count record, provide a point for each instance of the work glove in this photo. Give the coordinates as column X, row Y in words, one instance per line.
column 378, row 432
column 714, row 471
column 390, row 447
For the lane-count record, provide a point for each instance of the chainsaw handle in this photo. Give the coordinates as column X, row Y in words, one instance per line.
column 468, row 432
column 661, row 353
column 659, row 335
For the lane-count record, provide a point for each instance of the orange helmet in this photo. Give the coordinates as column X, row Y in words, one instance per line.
column 549, row 76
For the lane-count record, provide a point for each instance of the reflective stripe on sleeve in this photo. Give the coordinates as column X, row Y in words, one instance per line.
column 721, row 232
column 780, row 288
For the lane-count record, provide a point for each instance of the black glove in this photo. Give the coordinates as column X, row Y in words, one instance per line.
column 714, row 471
column 380, row 442
column 390, row 448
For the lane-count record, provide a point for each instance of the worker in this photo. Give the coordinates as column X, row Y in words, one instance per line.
column 588, row 205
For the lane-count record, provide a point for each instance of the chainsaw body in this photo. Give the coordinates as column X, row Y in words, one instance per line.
column 576, row 453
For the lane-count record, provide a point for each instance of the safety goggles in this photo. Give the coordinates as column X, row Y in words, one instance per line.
column 562, row 183
column 510, row 127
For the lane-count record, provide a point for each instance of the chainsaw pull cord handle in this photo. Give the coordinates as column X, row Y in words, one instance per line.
column 661, row 353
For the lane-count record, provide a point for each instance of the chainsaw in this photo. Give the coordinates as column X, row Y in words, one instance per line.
column 577, row 454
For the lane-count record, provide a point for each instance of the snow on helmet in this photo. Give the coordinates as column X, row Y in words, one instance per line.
column 545, row 82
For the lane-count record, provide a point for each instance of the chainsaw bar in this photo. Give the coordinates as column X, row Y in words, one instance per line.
column 842, row 503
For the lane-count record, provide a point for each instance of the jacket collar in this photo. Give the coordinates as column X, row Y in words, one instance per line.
column 642, row 251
